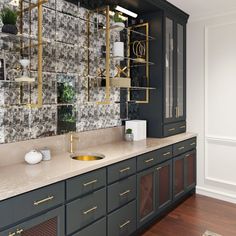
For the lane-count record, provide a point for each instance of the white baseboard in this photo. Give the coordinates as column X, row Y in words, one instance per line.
column 216, row 194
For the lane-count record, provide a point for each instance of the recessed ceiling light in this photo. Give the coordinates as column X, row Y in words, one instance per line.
column 126, row 11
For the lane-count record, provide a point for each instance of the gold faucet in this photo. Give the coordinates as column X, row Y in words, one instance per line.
column 72, row 137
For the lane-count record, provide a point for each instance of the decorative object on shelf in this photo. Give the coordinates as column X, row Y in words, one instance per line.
column 118, row 22
column 25, row 77
column 9, row 18
column 2, row 69
column 121, row 72
column 118, row 50
column 138, row 127
column 129, row 135
column 139, row 50
column 46, row 154
column 33, row 157
column 120, row 82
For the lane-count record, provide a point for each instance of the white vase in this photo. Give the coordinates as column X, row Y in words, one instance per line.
column 118, row 49
column 33, row 157
column 118, row 26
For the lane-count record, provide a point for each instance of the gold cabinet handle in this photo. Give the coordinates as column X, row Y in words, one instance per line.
column 149, row 160
column 182, row 127
column 181, row 148
column 192, row 144
column 124, row 193
column 126, row 223
column 19, row 231
column 173, row 129
column 90, row 210
column 125, row 169
column 167, row 153
column 158, row 168
column 187, row 155
column 12, row 234
column 50, row 198
column 91, row 182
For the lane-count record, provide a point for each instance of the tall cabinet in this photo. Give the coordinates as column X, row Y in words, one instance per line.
column 166, row 112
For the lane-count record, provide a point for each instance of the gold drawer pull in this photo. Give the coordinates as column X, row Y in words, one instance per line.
column 159, row 168
column 187, row 155
column 19, row 231
column 124, row 193
column 125, row 169
column 181, row 148
column 91, row 182
column 192, row 144
column 90, row 210
column 36, row 203
column 182, row 127
column 167, row 153
column 126, row 223
column 149, row 160
column 173, row 129
column 11, row 234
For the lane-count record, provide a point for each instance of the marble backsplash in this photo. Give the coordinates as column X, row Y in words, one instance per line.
column 65, row 57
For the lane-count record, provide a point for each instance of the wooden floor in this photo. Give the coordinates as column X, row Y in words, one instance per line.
column 196, row 215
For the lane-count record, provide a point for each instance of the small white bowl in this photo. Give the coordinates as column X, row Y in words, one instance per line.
column 33, row 157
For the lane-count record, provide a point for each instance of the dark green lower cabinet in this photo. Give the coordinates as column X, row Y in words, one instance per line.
column 50, row 224
column 163, row 185
column 99, row 228
column 122, row 222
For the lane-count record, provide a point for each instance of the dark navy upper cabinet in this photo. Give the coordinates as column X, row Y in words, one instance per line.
column 166, row 111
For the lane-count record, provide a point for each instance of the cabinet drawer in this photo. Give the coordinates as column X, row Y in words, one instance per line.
column 147, row 160
column 98, row 228
column 85, row 211
column 123, row 221
column 120, row 193
column 31, row 203
column 85, row 184
column 184, row 146
column 121, row 170
column 164, row 154
column 175, row 128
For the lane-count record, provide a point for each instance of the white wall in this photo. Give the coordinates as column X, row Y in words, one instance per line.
column 211, row 103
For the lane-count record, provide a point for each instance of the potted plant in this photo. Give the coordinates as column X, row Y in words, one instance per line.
column 118, row 22
column 129, row 135
column 9, row 18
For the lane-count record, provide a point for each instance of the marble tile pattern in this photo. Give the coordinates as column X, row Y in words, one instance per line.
column 65, row 55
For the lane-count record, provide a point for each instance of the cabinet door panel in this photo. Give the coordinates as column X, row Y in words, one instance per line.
column 146, row 195
column 50, row 224
column 178, row 177
column 169, row 70
column 190, row 169
column 164, row 185
column 180, row 80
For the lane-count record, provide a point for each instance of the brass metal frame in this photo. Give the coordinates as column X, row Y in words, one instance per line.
column 146, row 25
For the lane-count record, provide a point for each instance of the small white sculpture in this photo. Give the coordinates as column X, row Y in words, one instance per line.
column 33, row 157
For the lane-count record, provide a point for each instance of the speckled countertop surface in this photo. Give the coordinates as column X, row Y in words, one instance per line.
column 20, row 178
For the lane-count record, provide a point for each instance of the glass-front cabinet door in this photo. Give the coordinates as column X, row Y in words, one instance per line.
column 180, row 73
column 146, row 195
column 169, row 70
column 49, row 224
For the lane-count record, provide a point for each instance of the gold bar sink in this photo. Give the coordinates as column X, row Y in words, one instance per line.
column 87, row 156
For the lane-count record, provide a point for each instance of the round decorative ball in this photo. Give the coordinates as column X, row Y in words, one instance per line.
column 33, row 157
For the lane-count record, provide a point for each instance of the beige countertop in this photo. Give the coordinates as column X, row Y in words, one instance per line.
column 20, row 178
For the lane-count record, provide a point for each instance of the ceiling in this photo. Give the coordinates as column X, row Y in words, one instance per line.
column 204, row 8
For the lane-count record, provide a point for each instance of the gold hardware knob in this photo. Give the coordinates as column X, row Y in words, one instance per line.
column 187, row 155
column 181, row 148
column 124, row 193
column 182, row 127
column 90, row 210
column 158, row 168
column 126, row 223
column 173, row 129
column 167, row 153
column 19, row 231
column 125, row 169
column 91, row 182
column 12, row 234
column 50, row 198
column 192, row 144
column 149, row 160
